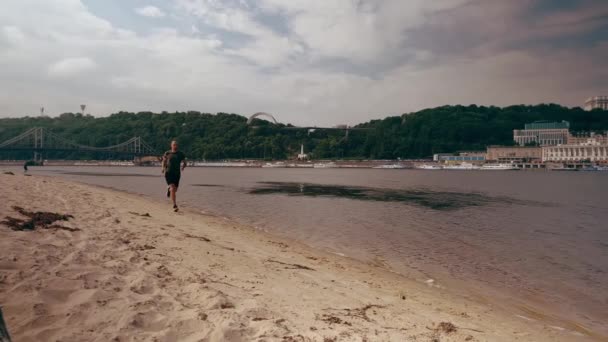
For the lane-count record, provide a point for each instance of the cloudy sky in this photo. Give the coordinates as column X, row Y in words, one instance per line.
column 321, row 62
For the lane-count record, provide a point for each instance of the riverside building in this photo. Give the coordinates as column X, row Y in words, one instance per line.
column 514, row 154
column 596, row 102
column 588, row 138
column 593, row 150
column 462, row 157
column 542, row 133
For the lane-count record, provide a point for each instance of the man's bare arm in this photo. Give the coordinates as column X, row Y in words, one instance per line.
column 183, row 164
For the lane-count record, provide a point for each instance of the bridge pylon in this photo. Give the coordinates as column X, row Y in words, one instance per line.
column 38, row 144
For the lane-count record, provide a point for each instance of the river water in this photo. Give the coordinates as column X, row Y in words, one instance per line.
column 533, row 242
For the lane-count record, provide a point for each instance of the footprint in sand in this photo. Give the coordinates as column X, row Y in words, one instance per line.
column 143, row 288
column 151, row 321
column 219, row 302
column 40, row 309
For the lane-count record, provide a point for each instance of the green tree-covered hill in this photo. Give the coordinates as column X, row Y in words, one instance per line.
column 227, row 136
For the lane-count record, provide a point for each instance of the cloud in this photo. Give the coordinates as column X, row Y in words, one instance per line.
column 72, row 66
column 359, row 31
column 263, row 46
column 13, row 35
column 483, row 27
column 308, row 62
column 150, row 11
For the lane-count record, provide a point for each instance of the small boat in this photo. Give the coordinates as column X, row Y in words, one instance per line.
column 499, row 167
column 275, row 165
column 463, row 166
column 325, row 165
column 429, row 167
column 219, row 164
column 564, row 169
column 595, row 168
column 389, row 166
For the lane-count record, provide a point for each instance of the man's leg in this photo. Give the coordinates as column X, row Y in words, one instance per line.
column 173, row 190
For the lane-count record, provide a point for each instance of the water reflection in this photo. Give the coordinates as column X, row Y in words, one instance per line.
column 437, row 200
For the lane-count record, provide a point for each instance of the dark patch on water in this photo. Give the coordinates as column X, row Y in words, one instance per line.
column 437, row 200
column 540, row 231
column 100, row 174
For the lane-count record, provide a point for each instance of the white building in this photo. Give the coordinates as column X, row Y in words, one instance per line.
column 302, row 155
column 592, row 151
column 542, row 133
column 595, row 102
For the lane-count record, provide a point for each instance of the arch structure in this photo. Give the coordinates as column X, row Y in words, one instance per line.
column 261, row 114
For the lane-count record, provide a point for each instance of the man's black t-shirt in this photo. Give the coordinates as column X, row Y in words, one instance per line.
column 173, row 161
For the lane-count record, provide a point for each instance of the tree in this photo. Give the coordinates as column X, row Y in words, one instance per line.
column 225, row 136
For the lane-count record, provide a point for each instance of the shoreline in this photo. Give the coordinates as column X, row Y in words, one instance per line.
column 420, row 165
column 246, row 284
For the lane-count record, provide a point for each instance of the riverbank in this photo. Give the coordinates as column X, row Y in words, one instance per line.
column 334, row 164
column 136, row 271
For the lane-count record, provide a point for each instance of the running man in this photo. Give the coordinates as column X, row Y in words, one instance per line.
column 174, row 161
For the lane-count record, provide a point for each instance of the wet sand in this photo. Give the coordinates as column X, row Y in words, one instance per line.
column 129, row 269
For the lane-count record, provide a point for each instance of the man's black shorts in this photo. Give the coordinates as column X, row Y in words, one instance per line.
column 172, row 178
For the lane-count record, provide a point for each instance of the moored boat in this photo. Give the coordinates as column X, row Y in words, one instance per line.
column 463, row 166
column 429, row 167
column 499, row 167
column 325, row 165
column 275, row 165
column 564, row 169
column 595, row 168
column 389, row 166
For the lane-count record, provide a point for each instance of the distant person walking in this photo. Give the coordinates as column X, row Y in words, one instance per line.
column 174, row 162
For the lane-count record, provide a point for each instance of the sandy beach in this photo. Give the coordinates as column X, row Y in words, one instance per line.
column 126, row 268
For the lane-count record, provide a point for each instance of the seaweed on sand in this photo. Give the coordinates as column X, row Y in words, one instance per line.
column 38, row 219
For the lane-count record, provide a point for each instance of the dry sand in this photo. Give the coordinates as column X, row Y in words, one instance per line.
column 136, row 271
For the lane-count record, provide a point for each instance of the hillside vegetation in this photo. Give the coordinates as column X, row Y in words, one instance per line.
column 227, row 136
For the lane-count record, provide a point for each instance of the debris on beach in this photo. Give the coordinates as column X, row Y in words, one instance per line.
column 138, row 214
column 291, row 266
column 144, row 248
column 358, row 313
column 330, row 319
column 201, row 238
column 294, row 338
column 39, row 219
column 362, row 312
column 447, row 327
